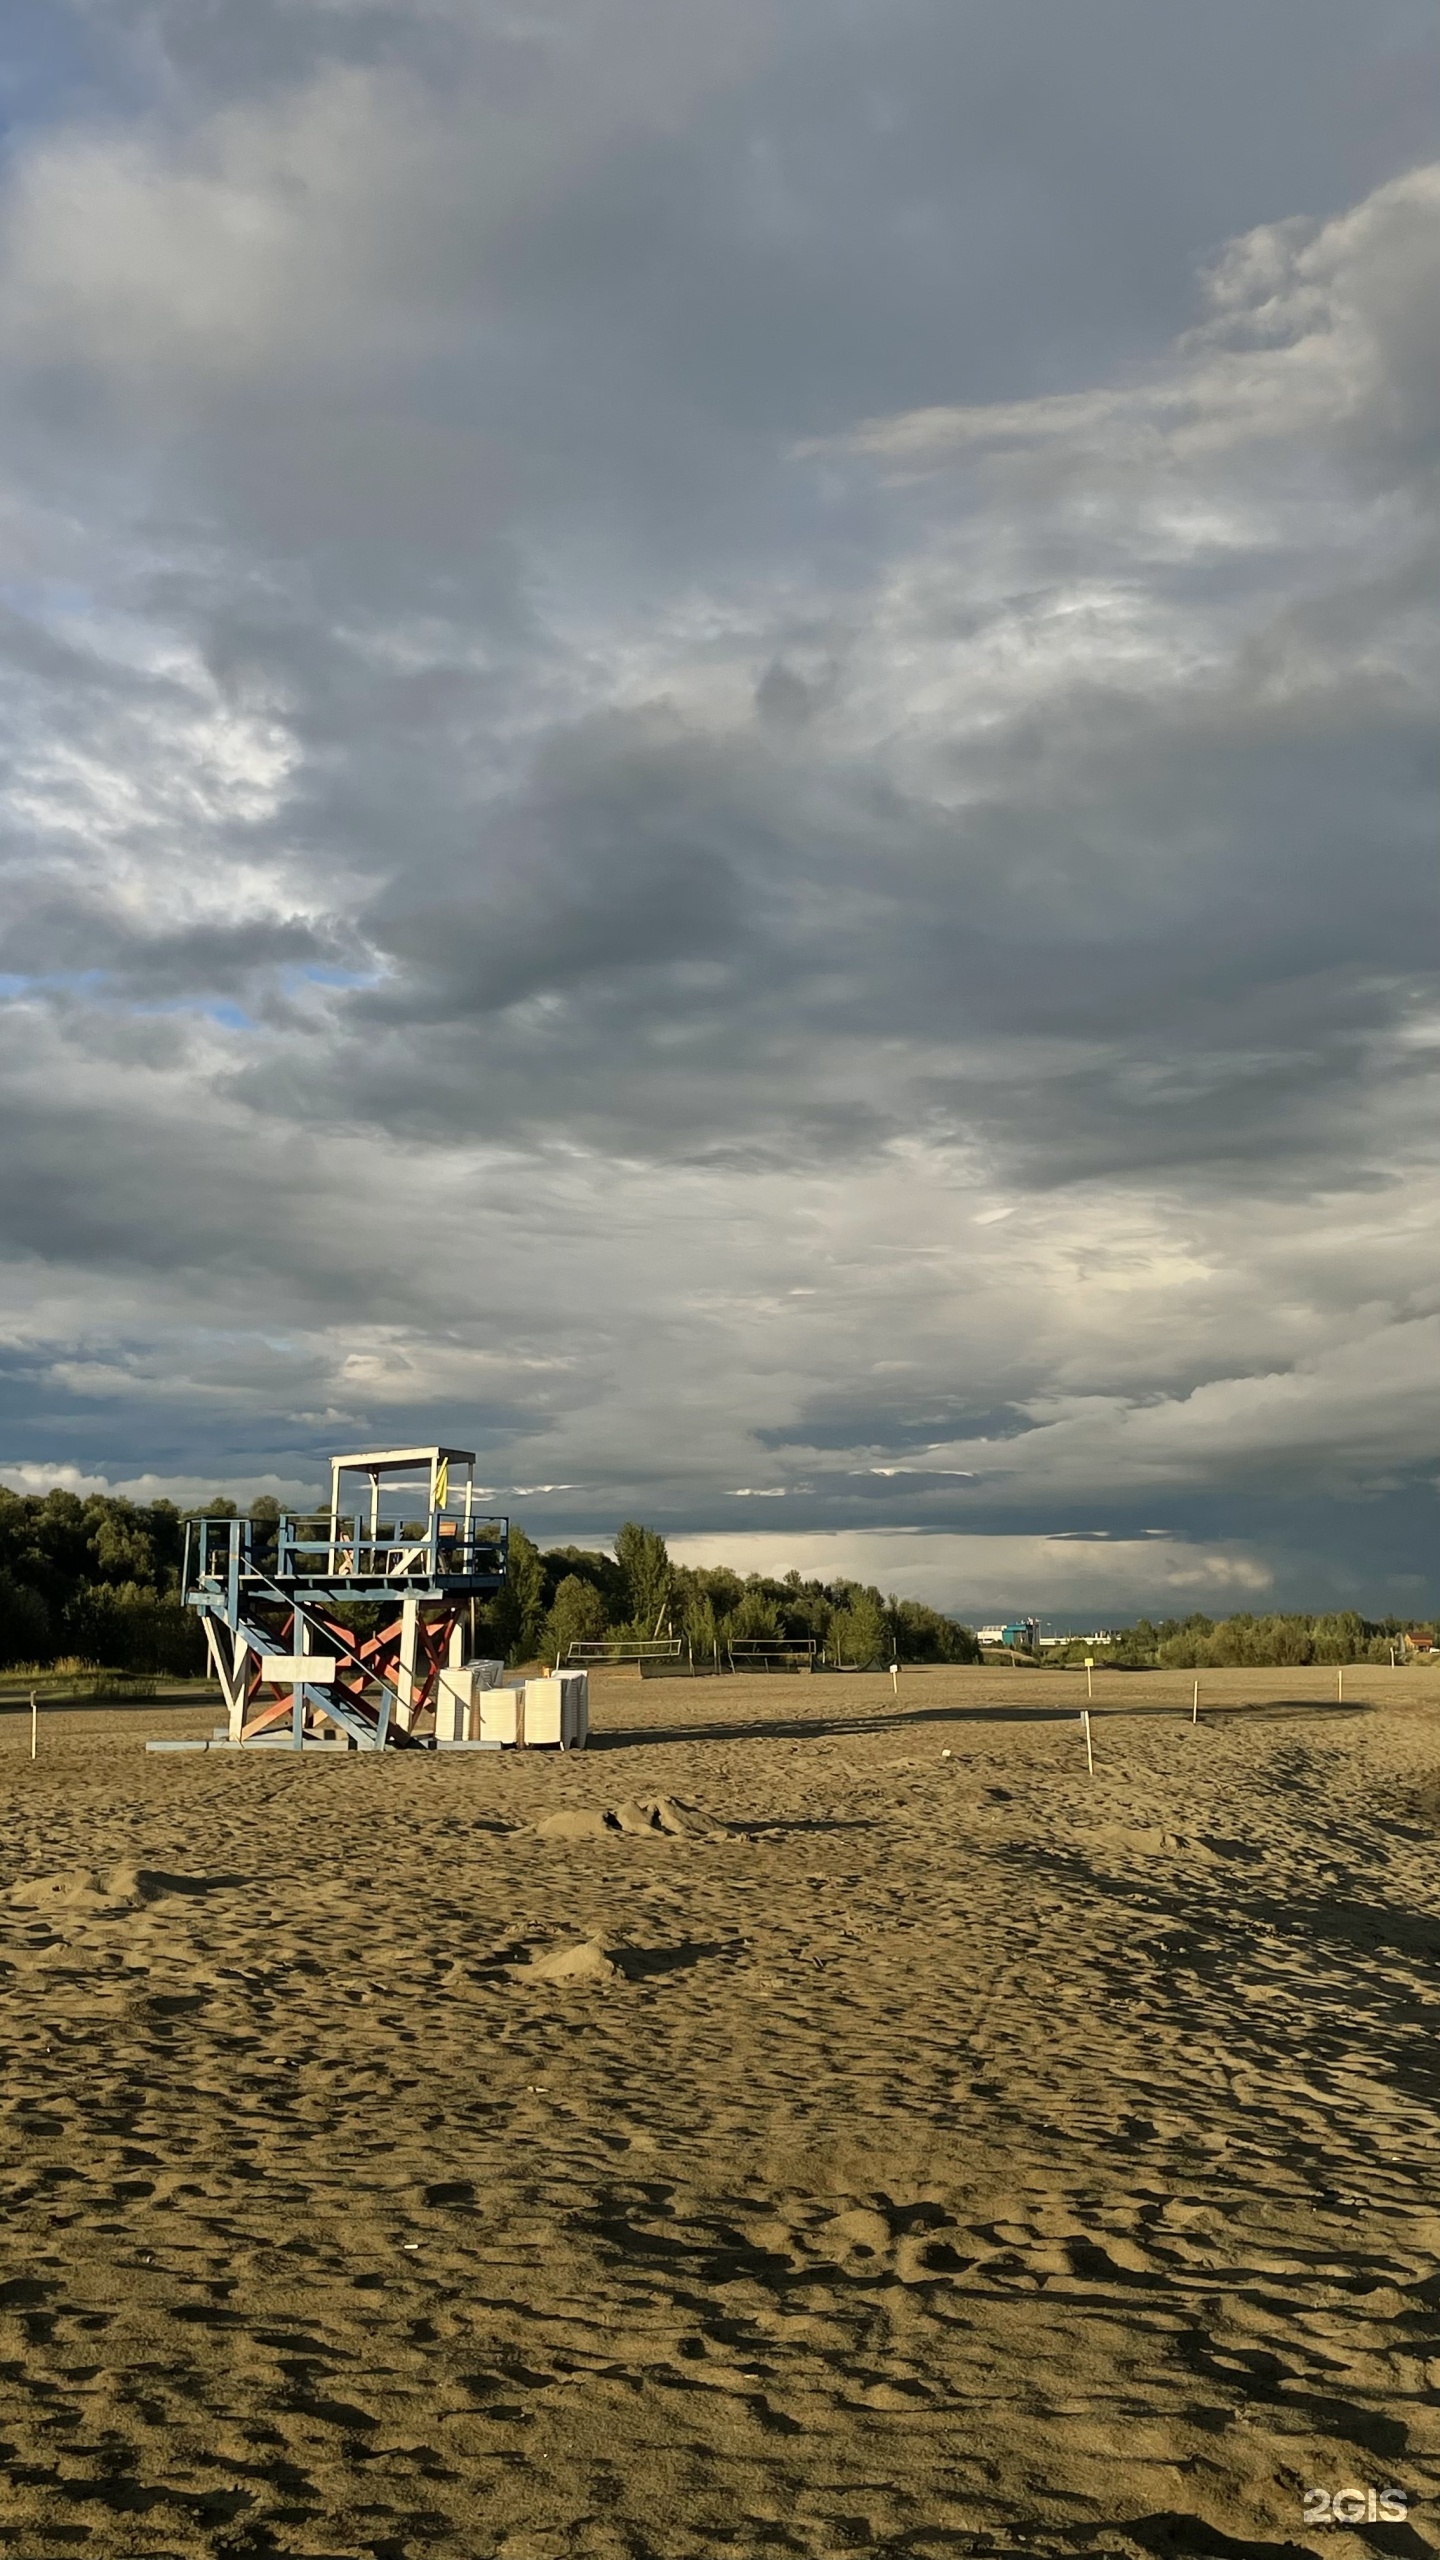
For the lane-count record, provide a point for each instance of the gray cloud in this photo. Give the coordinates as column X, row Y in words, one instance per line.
column 722, row 761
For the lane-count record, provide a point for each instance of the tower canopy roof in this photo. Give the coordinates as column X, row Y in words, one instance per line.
column 382, row 1462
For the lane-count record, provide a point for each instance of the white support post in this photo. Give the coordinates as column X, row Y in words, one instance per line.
column 235, row 1695
column 304, row 1643
column 409, row 1656
column 217, row 1661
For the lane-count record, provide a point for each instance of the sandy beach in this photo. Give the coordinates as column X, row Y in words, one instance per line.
column 856, row 2128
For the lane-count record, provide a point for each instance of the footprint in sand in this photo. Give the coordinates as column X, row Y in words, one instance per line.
column 77, row 1892
column 912, row 2243
column 639, row 1817
column 591, row 1961
column 1134, row 1842
column 583, row 1967
column 74, row 1889
column 124, row 1888
column 858, row 2234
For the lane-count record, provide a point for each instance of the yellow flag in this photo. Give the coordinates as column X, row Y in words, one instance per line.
column 442, row 1484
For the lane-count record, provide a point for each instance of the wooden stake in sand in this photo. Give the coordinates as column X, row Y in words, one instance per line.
column 34, row 1725
column 1195, row 1705
column 1089, row 1667
column 1339, row 1684
column 1089, row 1753
column 895, row 1678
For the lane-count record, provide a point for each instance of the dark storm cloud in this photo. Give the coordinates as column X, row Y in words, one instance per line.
column 622, row 861
column 722, row 751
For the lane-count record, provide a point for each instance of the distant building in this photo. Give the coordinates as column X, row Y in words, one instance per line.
column 1097, row 1635
column 1020, row 1634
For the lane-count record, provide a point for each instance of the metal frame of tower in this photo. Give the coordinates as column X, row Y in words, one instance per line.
column 414, row 1550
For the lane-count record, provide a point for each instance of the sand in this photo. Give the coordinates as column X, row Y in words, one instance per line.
column 863, row 2132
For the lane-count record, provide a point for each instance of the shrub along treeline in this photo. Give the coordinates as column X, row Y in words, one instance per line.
column 1244, row 1642
column 95, row 1579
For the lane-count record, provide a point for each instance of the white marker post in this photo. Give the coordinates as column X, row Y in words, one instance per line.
column 34, row 1725
column 1089, row 1753
column 1089, row 1667
column 1195, row 1705
column 1339, row 1681
column 895, row 1678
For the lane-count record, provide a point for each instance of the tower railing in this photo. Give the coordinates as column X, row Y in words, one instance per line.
column 329, row 1552
column 441, row 1547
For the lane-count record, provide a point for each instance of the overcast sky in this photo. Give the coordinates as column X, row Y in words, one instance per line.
column 719, row 737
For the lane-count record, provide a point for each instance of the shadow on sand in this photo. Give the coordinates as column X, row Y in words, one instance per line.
column 802, row 1728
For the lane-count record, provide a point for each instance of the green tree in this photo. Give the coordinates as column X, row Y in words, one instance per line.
column 167, row 1537
column 265, row 1531
column 644, row 1562
column 722, row 1587
column 590, row 1565
column 1137, row 1649
column 1339, row 1638
column 923, row 1635
column 859, row 1635
column 577, row 1616
column 756, row 1621
column 24, row 1623
column 1287, row 1640
column 699, row 1624
column 515, row 1619
column 120, row 1546
column 123, row 1627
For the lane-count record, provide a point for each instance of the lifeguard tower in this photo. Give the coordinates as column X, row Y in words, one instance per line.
column 405, row 1554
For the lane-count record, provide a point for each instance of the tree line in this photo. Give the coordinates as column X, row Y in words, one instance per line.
column 1243, row 1642
column 94, row 1579
column 562, row 1596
